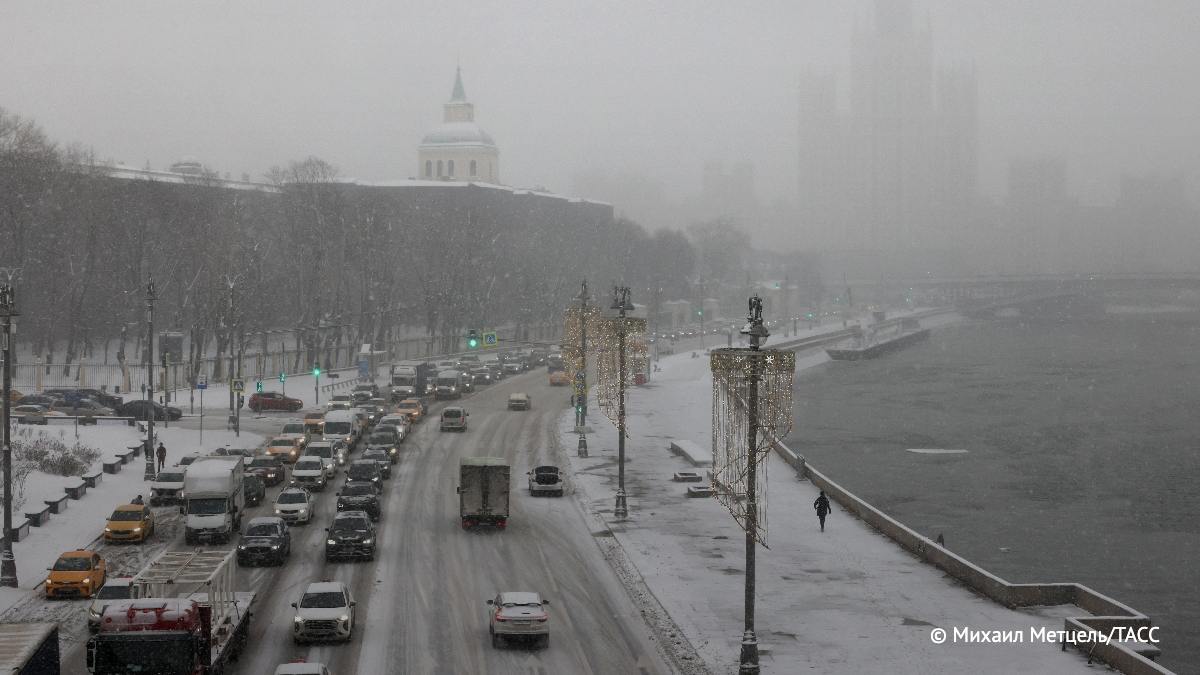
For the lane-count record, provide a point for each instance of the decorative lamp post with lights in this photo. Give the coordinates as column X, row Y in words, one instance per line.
column 752, row 409
column 148, row 448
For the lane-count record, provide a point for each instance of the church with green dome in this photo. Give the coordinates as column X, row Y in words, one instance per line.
column 457, row 149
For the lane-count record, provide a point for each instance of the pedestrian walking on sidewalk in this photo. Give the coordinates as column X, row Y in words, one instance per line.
column 162, row 456
column 822, row 507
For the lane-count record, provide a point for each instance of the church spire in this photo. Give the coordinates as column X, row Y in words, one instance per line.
column 459, row 95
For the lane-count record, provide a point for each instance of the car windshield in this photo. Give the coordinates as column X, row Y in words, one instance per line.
column 452, row 414
column 337, row 428
column 358, row 490
column 74, row 564
column 294, row 428
column 262, row 530
column 282, row 443
column 308, row 465
column 263, row 462
column 292, row 497
column 170, row 477
column 126, row 515
column 114, row 592
column 363, row 470
column 522, row 604
column 326, row 600
column 324, row 451
column 374, row 453
column 350, row 525
column 206, row 507
column 380, row 439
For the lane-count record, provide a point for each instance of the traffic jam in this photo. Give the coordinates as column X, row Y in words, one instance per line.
column 186, row 611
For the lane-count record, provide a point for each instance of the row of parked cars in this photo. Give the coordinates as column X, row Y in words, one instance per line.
column 62, row 402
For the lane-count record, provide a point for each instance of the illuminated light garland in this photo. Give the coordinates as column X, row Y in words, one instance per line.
column 607, row 350
column 571, row 355
column 735, row 371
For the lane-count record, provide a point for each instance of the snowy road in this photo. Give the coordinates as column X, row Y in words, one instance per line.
column 421, row 603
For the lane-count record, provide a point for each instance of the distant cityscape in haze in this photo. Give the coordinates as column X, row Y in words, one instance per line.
column 888, row 169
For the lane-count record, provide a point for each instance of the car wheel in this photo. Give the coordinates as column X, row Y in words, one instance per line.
column 545, row 641
column 496, row 641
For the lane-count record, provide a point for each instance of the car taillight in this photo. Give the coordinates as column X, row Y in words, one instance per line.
column 500, row 618
column 542, row 618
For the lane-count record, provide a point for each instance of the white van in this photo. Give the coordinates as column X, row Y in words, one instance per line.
column 341, row 426
column 449, row 384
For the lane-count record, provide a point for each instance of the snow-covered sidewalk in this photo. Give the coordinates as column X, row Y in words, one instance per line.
column 848, row 600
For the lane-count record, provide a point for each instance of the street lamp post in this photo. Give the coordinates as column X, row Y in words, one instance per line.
column 758, row 334
column 622, row 304
column 148, row 449
column 581, row 391
column 8, row 562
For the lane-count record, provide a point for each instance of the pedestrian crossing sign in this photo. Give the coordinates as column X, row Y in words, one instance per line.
column 489, row 339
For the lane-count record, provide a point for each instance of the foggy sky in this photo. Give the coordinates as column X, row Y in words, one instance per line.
column 653, row 88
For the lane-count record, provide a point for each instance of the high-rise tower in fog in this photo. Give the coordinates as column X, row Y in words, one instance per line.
column 890, row 163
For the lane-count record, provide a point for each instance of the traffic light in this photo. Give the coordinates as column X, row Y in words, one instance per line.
column 283, row 377
column 472, row 339
column 699, row 312
column 809, row 316
column 316, row 370
column 163, row 359
column 258, row 386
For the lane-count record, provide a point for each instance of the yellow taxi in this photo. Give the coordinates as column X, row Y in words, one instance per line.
column 559, row 378
column 314, row 422
column 76, row 574
column 288, row 447
column 411, row 407
column 130, row 522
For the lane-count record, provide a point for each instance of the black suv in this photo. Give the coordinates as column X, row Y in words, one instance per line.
column 352, row 535
column 380, row 455
column 266, row 539
column 359, row 496
column 366, row 470
column 387, row 440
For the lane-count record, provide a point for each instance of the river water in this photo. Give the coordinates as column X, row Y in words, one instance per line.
column 1082, row 459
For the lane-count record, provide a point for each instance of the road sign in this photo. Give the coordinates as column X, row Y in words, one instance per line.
column 202, row 384
column 489, row 339
column 239, row 386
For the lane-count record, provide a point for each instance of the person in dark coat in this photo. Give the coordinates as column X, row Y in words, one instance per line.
column 162, row 456
column 822, row 507
column 138, row 500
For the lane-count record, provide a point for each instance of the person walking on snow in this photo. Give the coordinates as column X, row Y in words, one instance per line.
column 822, row 507
column 162, row 456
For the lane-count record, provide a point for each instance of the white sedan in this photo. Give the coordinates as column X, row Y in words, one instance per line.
column 518, row 615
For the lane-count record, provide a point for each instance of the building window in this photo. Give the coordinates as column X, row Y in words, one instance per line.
column 473, row 168
column 428, row 169
column 439, row 168
column 450, row 168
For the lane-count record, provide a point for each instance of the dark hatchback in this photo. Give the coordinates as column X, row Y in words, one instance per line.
column 269, row 468
column 254, row 489
column 266, row 540
column 367, row 471
column 359, row 496
column 143, row 410
column 352, row 535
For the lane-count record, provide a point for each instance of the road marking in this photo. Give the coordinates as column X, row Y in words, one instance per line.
column 936, row 451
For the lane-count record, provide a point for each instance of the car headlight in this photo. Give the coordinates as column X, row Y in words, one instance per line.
column 241, row 547
column 366, row 542
column 87, row 580
column 278, row 512
column 345, row 618
column 49, row 581
column 137, row 529
column 392, row 450
column 341, row 505
column 330, row 542
column 108, row 529
column 302, row 511
column 275, row 547
column 299, row 621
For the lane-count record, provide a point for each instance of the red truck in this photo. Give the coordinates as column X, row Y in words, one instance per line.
column 185, row 619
